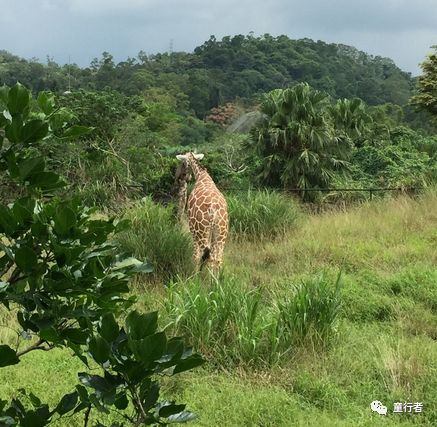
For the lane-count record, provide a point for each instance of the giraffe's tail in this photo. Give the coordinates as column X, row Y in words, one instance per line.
column 205, row 256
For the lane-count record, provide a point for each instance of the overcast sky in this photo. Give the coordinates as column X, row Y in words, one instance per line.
column 402, row 30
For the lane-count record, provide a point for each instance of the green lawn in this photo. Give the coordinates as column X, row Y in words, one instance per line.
column 384, row 348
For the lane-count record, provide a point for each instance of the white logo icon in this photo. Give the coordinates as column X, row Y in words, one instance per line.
column 377, row 406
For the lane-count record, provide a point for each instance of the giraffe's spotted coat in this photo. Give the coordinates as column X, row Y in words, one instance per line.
column 207, row 216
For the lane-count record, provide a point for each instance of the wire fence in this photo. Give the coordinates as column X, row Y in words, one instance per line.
column 372, row 190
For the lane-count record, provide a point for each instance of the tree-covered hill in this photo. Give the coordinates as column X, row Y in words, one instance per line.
column 246, row 65
column 219, row 71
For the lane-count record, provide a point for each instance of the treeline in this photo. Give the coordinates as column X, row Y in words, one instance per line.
column 306, row 111
column 224, row 70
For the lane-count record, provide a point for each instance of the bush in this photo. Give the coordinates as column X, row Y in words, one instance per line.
column 66, row 283
column 257, row 215
column 156, row 237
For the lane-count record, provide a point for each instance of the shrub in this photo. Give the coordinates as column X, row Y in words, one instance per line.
column 66, row 283
column 156, row 237
column 257, row 215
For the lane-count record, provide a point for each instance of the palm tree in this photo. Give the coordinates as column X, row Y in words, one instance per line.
column 350, row 119
column 298, row 140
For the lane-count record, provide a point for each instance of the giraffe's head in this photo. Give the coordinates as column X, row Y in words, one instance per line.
column 186, row 156
column 186, row 164
column 189, row 163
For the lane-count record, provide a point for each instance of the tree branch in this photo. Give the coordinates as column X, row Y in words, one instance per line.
column 137, row 403
column 37, row 346
column 87, row 416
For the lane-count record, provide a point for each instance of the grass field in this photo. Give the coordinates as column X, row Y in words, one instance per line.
column 381, row 345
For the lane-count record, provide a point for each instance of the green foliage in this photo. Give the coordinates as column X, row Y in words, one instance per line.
column 127, row 152
column 220, row 71
column 235, row 325
column 62, row 276
column 302, row 140
column 156, row 236
column 144, row 109
column 259, row 215
column 104, row 110
column 245, row 65
column 129, row 357
column 406, row 160
column 426, row 97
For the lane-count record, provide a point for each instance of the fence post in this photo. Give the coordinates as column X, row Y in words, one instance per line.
column 371, row 194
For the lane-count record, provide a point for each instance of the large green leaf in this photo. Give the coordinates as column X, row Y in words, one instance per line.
column 26, row 259
column 65, row 220
column 30, row 166
column 23, row 210
column 14, row 129
column 11, row 161
column 134, row 264
column 149, row 393
column 96, row 382
column 18, row 99
column 150, row 348
column 33, row 419
column 188, row 363
column 75, row 335
column 139, row 326
column 3, row 119
column 77, row 131
column 166, row 409
column 7, row 356
column 121, row 401
column 8, row 223
column 4, row 93
column 46, row 102
column 67, row 403
column 46, row 181
column 99, row 349
column 181, row 417
column 108, row 327
column 34, row 130
column 60, row 118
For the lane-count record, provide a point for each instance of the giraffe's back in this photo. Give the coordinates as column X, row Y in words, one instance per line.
column 208, row 213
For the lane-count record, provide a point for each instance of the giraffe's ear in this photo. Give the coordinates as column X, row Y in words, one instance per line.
column 199, row 156
column 181, row 157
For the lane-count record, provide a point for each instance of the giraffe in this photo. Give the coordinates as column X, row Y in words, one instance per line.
column 207, row 215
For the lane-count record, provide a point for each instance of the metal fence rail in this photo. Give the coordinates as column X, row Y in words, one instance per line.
column 371, row 190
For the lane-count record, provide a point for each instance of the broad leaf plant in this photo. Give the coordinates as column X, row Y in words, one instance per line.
column 65, row 280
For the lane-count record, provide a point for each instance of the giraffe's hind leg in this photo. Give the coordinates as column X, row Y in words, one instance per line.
column 217, row 247
column 202, row 248
column 197, row 253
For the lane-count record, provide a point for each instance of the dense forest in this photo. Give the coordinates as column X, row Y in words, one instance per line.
column 221, row 71
column 146, row 109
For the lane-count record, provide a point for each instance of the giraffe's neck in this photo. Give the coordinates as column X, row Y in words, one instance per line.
column 198, row 172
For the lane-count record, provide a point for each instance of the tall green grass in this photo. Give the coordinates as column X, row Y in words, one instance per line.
column 257, row 215
column 233, row 324
column 312, row 309
column 155, row 236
